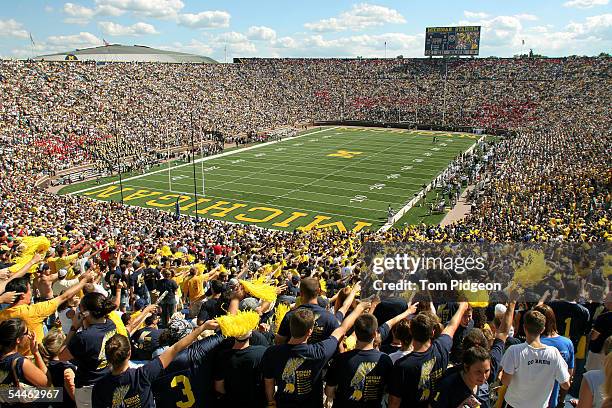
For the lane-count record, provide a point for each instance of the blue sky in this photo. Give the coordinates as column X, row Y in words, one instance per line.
column 315, row 28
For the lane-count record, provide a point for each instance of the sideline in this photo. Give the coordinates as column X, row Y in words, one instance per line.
column 396, row 217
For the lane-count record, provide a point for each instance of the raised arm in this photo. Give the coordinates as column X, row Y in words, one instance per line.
column 349, row 299
column 411, row 309
column 21, row 272
column 504, row 328
column 169, row 355
column 453, row 324
column 348, row 322
column 137, row 321
column 71, row 291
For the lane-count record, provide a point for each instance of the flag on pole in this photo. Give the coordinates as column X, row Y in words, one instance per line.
column 32, row 40
column 106, row 43
column 523, row 42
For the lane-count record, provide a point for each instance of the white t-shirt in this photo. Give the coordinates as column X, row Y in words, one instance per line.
column 396, row 355
column 534, row 372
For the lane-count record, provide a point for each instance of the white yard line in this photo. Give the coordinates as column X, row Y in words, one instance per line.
column 337, row 171
column 231, row 152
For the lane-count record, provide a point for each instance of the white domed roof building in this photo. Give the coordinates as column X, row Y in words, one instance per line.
column 126, row 53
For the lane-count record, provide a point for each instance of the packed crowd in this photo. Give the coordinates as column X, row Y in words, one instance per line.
column 88, row 318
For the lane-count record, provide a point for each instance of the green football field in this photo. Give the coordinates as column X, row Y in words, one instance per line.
column 337, row 177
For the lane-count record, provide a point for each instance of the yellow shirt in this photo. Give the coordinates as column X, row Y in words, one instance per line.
column 33, row 316
column 56, row 263
column 116, row 318
column 194, row 287
column 135, row 315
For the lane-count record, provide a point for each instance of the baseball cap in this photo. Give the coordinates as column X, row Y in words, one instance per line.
column 62, row 273
column 500, row 310
column 248, row 304
column 179, row 328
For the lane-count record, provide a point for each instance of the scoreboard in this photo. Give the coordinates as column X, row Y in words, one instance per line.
column 452, row 40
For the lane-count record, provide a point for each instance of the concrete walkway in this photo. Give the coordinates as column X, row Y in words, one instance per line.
column 459, row 211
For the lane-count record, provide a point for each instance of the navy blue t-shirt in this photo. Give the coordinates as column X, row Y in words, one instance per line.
column 7, row 379
column 87, row 347
column 137, row 282
column 144, row 342
column 603, row 324
column 325, row 323
column 297, row 370
column 454, row 393
column 241, row 373
column 360, row 377
column 457, row 349
column 416, row 375
column 6, row 367
column 56, row 372
column 130, row 389
column 188, row 380
column 573, row 320
column 483, row 391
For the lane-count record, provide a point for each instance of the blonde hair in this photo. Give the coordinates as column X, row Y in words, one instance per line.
column 52, row 344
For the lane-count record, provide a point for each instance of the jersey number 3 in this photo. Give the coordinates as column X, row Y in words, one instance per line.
column 181, row 379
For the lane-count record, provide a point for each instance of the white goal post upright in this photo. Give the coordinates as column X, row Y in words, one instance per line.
column 202, row 167
column 168, row 160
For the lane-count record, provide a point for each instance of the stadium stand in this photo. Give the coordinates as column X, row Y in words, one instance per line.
column 548, row 182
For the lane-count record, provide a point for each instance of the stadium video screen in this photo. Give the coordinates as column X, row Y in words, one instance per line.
column 452, row 40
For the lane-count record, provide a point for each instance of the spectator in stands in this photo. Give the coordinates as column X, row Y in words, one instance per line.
column 530, row 369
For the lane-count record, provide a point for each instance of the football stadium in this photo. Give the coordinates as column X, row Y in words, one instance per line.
column 314, row 206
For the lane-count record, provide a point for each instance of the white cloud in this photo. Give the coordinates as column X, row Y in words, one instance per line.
column 105, row 10
column 78, row 14
column 285, row 42
column 359, row 17
column 237, row 43
column 503, row 35
column 365, row 45
column 49, row 9
column 193, row 47
column 205, row 19
column 147, row 8
column 117, row 30
column 593, row 25
column 58, row 43
column 585, row 3
column 80, row 40
column 11, row 28
column 261, row 33
column 526, row 17
column 472, row 14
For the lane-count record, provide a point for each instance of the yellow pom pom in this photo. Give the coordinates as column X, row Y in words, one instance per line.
column 350, row 342
column 279, row 315
column 30, row 246
column 260, row 290
column 238, row 325
column 477, row 299
column 533, row 269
